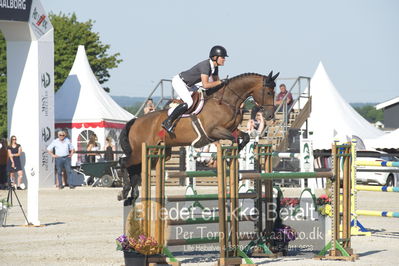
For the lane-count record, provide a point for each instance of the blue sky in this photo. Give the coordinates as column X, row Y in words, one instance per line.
column 357, row 41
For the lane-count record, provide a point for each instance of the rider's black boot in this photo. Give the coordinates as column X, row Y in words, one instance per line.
column 179, row 110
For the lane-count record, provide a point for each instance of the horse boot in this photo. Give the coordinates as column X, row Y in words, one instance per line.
column 168, row 124
column 122, row 195
column 135, row 183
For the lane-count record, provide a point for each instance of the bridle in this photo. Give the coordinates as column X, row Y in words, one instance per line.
column 269, row 93
column 265, row 89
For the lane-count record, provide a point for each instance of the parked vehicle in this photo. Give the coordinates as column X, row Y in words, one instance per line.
column 384, row 176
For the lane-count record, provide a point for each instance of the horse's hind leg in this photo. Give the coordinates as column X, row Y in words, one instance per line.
column 125, row 180
column 135, row 180
column 131, row 180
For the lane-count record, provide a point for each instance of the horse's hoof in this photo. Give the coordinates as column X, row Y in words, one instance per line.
column 128, row 202
column 135, row 193
column 122, row 195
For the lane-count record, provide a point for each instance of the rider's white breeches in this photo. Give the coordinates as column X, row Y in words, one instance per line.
column 181, row 89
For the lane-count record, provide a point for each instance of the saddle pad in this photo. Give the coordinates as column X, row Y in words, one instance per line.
column 198, row 104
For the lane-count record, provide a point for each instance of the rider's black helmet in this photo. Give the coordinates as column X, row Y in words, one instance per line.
column 218, row 51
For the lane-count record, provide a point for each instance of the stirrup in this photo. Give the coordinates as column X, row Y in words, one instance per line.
column 168, row 129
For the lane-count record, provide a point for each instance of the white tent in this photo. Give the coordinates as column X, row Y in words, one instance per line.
column 82, row 107
column 386, row 141
column 332, row 118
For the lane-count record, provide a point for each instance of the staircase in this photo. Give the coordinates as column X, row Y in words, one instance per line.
column 276, row 132
column 297, row 119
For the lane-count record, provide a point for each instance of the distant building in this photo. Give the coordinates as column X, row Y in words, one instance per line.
column 391, row 111
column 378, row 124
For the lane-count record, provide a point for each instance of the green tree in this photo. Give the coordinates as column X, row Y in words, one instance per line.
column 370, row 113
column 134, row 108
column 69, row 33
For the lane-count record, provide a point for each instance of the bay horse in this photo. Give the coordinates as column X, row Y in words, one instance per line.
column 220, row 117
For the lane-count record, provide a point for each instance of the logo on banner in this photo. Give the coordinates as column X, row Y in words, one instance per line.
column 45, row 103
column 306, row 157
column 46, row 134
column 45, row 160
column 40, row 19
column 46, row 79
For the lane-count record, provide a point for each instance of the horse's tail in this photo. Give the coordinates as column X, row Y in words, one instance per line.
column 124, row 137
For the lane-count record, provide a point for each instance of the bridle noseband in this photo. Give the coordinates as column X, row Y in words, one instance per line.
column 266, row 85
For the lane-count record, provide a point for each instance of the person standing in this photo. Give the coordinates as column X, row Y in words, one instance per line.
column 92, row 147
column 14, row 162
column 63, row 151
column 206, row 72
column 109, row 150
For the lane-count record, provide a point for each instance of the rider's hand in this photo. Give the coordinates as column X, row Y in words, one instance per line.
column 224, row 82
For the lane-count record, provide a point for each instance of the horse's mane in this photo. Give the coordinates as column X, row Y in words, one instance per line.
column 245, row 75
column 211, row 91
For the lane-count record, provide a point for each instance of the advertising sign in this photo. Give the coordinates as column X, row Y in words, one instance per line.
column 15, row 10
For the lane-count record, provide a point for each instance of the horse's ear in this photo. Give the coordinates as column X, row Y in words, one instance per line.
column 270, row 75
column 275, row 76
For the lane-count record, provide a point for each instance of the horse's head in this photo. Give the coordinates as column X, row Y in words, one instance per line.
column 264, row 95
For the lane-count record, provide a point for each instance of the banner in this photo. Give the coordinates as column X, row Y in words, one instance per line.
column 15, row 10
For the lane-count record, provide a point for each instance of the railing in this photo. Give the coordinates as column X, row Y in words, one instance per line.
column 298, row 96
column 163, row 85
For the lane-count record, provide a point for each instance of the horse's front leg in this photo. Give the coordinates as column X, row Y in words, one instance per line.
column 244, row 139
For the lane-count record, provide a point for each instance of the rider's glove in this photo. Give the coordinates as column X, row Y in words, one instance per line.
column 224, row 82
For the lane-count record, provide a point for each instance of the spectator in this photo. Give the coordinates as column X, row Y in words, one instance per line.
column 256, row 126
column 281, row 95
column 63, row 151
column 3, row 163
column 93, row 146
column 109, row 150
column 255, row 109
column 14, row 163
column 149, row 106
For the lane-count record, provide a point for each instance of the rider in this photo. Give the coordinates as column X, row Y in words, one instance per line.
column 205, row 72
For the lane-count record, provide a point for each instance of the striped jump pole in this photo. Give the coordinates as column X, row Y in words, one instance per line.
column 285, row 155
column 377, row 163
column 378, row 213
column 377, row 188
column 357, row 227
column 202, row 197
column 298, row 175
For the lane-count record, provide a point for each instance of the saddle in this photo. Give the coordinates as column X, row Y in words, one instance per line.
column 198, row 102
column 196, row 107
